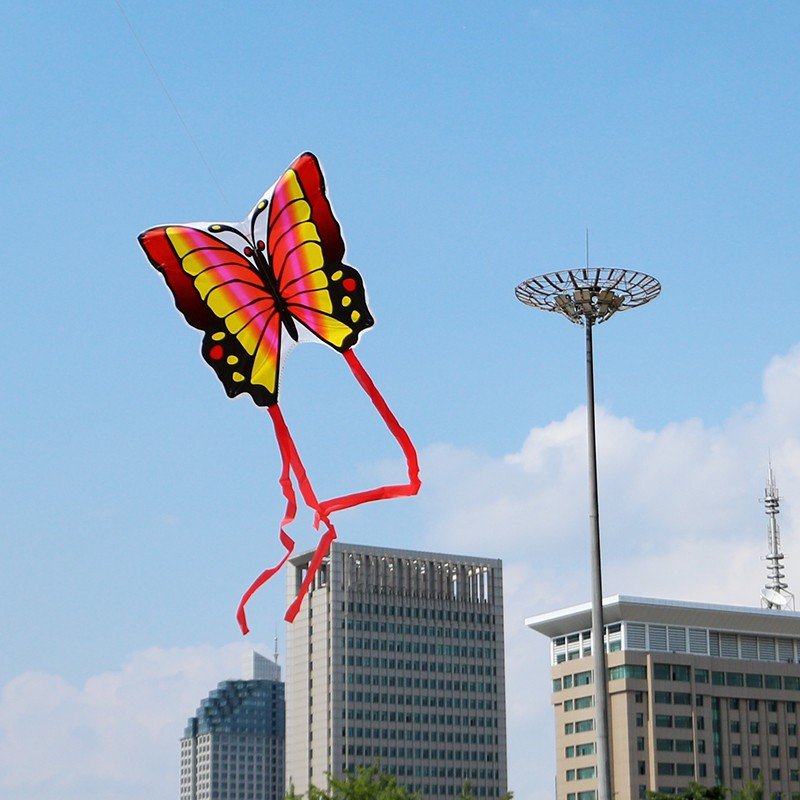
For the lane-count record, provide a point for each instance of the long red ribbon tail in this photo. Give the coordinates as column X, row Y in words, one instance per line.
column 285, row 446
column 324, row 545
column 400, row 435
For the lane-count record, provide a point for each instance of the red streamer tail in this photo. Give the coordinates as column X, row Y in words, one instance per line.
column 285, row 445
column 291, row 463
column 401, row 437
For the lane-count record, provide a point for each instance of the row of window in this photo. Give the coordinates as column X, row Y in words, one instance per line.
column 755, row 774
column 415, row 612
column 428, row 771
column 423, row 666
column 577, row 750
column 772, row 727
column 392, row 646
column 755, row 750
column 424, row 683
column 581, row 774
column 415, row 735
column 437, row 632
column 382, row 715
column 416, row 700
column 578, row 703
column 418, row 754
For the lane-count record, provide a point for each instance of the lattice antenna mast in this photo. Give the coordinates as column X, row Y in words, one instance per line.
column 775, row 593
column 276, row 645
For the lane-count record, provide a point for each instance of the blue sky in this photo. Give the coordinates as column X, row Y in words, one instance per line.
column 466, row 149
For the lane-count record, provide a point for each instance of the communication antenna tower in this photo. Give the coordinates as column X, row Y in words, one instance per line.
column 276, row 645
column 775, row 593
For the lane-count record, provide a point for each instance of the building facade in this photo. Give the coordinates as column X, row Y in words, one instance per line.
column 697, row 692
column 396, row 658
column 233, row 748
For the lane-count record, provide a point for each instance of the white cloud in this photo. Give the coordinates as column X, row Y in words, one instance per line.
column 679, row 519
column 115, row 737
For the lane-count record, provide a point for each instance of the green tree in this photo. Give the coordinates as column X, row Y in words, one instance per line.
column 369, row 783
column 694, row 792
column 752, row 791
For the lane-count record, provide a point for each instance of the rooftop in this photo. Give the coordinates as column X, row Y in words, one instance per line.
column 669, row 612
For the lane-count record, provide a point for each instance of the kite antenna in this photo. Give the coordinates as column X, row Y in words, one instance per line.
column 276, row 644
column 775, row 593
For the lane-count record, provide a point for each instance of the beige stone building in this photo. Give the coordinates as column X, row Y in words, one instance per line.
column 699, row 692
column 396, row 658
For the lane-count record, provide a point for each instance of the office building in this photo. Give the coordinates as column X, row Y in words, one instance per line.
column 396, row 658
column 699, row 692
column 233, row 748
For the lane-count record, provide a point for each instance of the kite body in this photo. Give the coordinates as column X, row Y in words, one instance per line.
column 257, row 288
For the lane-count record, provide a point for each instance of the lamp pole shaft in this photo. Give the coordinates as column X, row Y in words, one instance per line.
column 598, row 644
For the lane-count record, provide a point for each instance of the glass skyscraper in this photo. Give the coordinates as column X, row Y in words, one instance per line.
column 233, row 748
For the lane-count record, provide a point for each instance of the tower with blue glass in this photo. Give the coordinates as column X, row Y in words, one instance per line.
column 233, row 748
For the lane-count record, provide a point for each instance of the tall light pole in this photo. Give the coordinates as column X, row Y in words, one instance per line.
column 588, row 296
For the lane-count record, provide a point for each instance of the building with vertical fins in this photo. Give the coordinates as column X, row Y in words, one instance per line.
column 233, row 748
column 396, row 658
column 697, row 692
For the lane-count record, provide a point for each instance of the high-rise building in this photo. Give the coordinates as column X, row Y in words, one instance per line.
column 396, row 658
column 233, row 748
column 701, row 692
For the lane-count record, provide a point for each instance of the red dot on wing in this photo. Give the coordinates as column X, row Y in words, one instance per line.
column 349, row 284
column 216, row 352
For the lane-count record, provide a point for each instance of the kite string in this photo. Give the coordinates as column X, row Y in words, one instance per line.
column 172, row 102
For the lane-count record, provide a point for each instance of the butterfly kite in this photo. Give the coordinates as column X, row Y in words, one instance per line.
column 256, row 288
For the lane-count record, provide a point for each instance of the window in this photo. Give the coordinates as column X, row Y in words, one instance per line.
column 569, row 728
column 776, row 774
column 772, row 705
column 685, row 769
column 774, row 751
column 773, row 728
column 733, row 703
column 569, row 752
column 756, row 773
column 683, row 722
column 663, row 721
column 556, row 684
column 701, row 745
column 793, row 752
column 640, row 767
column 583, row 678
column 568, row 681
column 632, row 671
column 665, row 745
column 737, row 773
column 684, row 745
column 661, row 672
column 584, row 749
column 584, row 772
column 640, row 744
column 753, row 727
column 584, row 725
column 754, row 681
column 734, row 679
column 570, row 774
column 698, row 700
column 680, row 672
column 735, row 726
column 681, row 698
column 666, row 768
column 718, row 678
column 752, row 705
column 639, row 719
column 638, row 697
column 701, row 676
column 773, row 681
column 792, row 728
column 568, row 705
column 662, row 697
column 583, row 702
column 755, row 750
column 736, row 749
